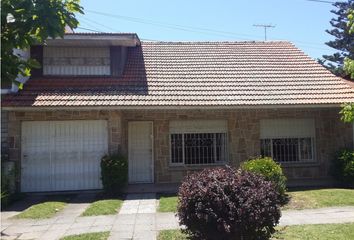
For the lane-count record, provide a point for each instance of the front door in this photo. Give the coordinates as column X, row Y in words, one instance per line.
column 140, row 145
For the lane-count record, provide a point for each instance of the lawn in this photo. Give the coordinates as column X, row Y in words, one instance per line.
column 103, row 207
column 299, row 199
column 42, row 210
column 171, row 235
column 304, row 232
column 318, row 231
column 168, row 204
column 320, row 198
column 88, row 236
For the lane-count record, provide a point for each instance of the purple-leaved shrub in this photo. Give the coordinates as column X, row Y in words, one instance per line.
column 223, row 203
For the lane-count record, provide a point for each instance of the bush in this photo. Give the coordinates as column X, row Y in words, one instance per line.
column 343, row 167
column 222, row 203
column 114, row 173
column 271, row 171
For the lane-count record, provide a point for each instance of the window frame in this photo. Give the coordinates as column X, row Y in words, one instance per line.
column 301, row 161
column 183, row 164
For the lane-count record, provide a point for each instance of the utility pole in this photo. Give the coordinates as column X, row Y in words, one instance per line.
column 265, row 26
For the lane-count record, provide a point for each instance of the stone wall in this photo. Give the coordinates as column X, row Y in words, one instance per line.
column 4, row 135
column 244, row 143
column 243, row 134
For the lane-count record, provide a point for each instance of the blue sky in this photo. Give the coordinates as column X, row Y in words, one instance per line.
column 300, row 21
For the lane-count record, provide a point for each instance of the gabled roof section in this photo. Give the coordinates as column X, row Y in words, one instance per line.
column 197, row 74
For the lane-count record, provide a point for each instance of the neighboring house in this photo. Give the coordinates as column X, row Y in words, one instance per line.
column 171, row 108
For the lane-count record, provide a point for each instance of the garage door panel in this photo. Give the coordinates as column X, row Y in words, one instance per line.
column 63, row 155
column 35, row 155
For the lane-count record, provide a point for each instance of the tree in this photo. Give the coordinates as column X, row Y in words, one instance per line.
column 348, row 109
column 349, row 62
column 27, row 22
column 344, row 40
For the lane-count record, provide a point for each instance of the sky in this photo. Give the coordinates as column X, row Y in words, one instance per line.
column 302, row 22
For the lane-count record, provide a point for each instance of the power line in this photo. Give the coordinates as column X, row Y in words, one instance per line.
column 91, row 30
column 174, row 26
column 165, row 26
column 99, row 24
column 320, row 1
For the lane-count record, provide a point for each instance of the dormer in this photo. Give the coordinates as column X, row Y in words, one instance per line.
column 84, row 54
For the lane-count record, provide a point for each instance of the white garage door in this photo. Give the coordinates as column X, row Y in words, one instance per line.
column 62, row 155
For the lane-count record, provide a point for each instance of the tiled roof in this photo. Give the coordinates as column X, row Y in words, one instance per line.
column 197, row 74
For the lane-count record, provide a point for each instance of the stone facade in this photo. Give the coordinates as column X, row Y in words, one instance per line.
column 244, row 143
column 4, row 130
column 243, row 135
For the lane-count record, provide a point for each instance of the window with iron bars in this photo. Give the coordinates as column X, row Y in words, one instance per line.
column 198, row 148
column 288, row 150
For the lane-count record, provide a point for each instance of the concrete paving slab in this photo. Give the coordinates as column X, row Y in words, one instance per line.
column 9, row 237
column 145, row 235
column 52, row 234
column 105, row 220
column 75, row 231
column 123, row 227
column 59, row 227
column 120, row 235
column 125, row 219
column 31, row 235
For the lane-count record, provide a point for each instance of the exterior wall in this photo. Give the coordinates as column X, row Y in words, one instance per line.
column 4, row 131
column 243, row 135
column 244, row 143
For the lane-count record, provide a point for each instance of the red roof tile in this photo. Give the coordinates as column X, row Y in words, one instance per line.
column 197, row 74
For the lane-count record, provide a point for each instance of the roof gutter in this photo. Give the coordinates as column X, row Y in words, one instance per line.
column 253, row 107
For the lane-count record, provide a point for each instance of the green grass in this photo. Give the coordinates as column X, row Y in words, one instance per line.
column 42, row 210
column 171, row 235
column 168, row 204
column 88, row 236
column 103, row 207
column 304, row 199
column 332, row 197
column 318, row 231
column 300, row 232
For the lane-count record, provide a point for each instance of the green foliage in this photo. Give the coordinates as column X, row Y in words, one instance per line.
column 344, row 39
column 271, row 171
column 343, row 167
column 6, row 195
column 349, row 62
column 27, row 22
column 349, row 67
column 347, row 112
column 114, row 173
column 351, row 20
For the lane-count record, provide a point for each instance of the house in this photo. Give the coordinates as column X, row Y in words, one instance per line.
column 172, row 108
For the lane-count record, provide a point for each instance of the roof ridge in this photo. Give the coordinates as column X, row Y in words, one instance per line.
column 224, row 41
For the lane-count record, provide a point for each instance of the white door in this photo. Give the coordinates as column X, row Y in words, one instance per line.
column 62, row 155
column 140, row 147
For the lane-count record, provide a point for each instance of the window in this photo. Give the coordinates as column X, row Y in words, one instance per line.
column 288, row 140
column 288, row 149
column 80, row 61
column 198, row 142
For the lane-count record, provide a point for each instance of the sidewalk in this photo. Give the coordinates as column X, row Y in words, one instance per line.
column 137, row 219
